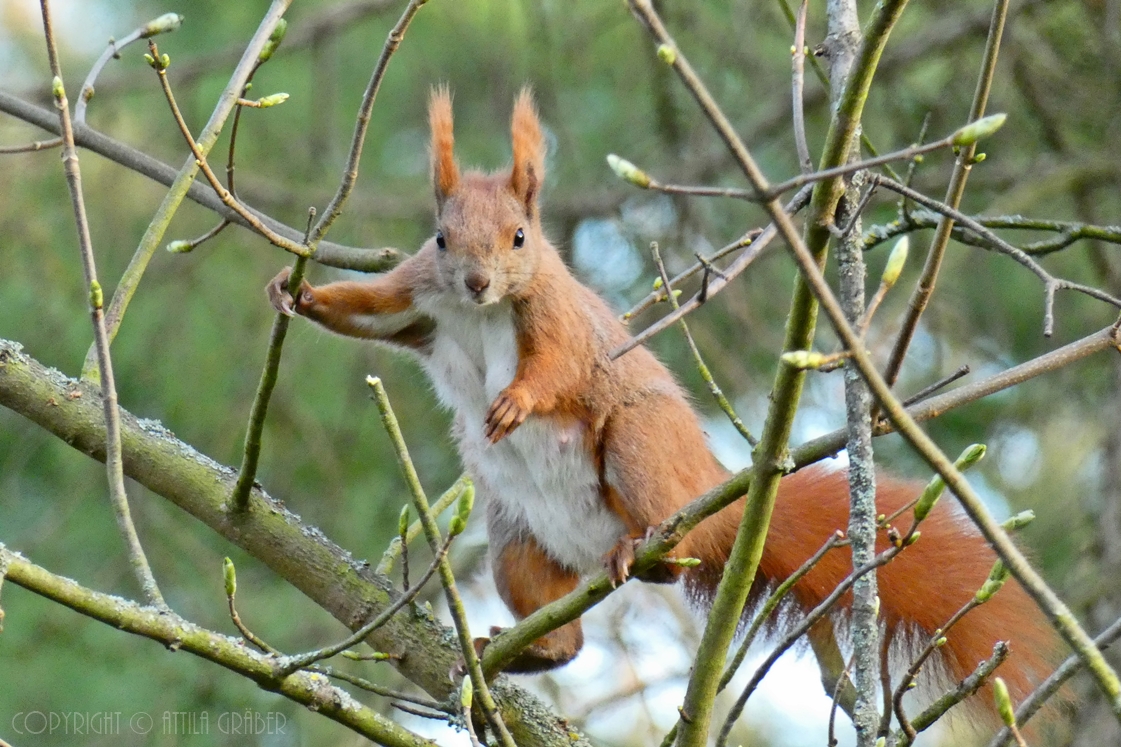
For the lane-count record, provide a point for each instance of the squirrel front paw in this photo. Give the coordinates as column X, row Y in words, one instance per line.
column 281, row 298
column 507, row 412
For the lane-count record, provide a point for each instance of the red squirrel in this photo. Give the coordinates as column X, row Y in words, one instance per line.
column 580, row 455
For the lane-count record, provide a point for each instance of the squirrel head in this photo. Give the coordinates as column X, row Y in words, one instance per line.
column 489, row 241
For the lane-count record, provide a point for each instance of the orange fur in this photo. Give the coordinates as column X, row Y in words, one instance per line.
column 641, row 434
column 919, row 590
column 528, row 579
column 445, row 171
column 529, row 149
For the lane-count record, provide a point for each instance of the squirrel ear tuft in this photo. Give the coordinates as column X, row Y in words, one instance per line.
column 529, row 151
column 445, row 171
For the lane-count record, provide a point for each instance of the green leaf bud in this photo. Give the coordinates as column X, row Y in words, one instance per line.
column 895, row 262
column 803, row 359
column 628, row 172
column 230, row 576
column 667, row 54
column 975, row 131
column 57, row 89
column 272, row 100
column 180, row 247
column 1003, row 702
column 275, row 38
column 97, row 298
column 166, row 23
column 1019, row 521
column 403, row 522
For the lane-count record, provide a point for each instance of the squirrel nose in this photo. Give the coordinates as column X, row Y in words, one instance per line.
column 477, row 282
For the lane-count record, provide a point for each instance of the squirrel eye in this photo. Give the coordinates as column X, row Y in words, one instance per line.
column 519, row 238
column 440, row 240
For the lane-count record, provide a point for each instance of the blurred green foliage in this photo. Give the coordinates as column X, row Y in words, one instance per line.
column 191, row 346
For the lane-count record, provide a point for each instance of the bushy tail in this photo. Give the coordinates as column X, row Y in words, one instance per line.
column 920, row 589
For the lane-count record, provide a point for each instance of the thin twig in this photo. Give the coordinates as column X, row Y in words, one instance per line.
column 964, row 689
column 800, row 630
column 1068, row 231
column 114, row 463
column 836, row 539
column 449, row 496
column 385, row 692
column 432, row 532
column 299, row 661
column 300, row 250
column 350, row 171
column 1051, row 284
column 165, row 23
column 798, row 87
column 328, row 253
column 181, row 184
column 706, row 374
column 926, row 391
column 924, row 288
column 1047, row 689
column 180, row 634
column 741, row 263
column 908, row 680
column 832, row 740
column 251, row 452
column 658, row 296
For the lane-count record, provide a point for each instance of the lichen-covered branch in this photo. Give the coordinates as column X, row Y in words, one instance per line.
column 300, row 554
column 306, row 688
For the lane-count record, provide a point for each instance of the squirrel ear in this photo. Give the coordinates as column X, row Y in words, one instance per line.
column 445, row 171
column 529, row 151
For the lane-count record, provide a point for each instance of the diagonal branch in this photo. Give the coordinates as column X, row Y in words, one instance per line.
column 177, row 633
column 340, row 584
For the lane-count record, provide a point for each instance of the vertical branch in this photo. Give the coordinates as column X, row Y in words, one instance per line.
column 798, row 84
column 154, row 234
column 770, row 456
column 843, row 41
column 251, row 452
column 962, row 166
column 114, row 463
column 432, row 533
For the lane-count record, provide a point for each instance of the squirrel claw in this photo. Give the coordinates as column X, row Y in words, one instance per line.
column 619, row 559
column 281, row 298
column 506, row 413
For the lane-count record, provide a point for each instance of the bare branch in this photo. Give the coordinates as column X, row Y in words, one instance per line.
column 114, row 460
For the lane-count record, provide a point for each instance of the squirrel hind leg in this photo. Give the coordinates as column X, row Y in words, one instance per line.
column 527, row 579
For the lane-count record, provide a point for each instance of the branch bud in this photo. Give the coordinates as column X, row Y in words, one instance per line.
column 975, row 131
column 1019, row 521
column 804, row 359
column 1003, row 702
column 466, row 693
column 997, row 576
column 275, row 38
column 462, row 510
column 667, row 54
column 97, row 298
column 628, row 172
column 403, row 522
column 272, row 100
column 57, row 89
column 895, row 262
column 230, row 576
column 166, row 23
column 180, row 247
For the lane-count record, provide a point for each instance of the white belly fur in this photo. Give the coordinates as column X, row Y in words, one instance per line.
column 540, row 475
